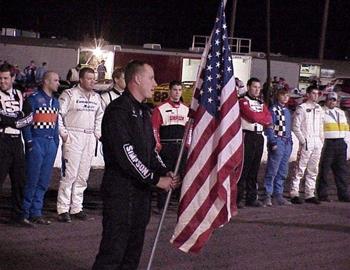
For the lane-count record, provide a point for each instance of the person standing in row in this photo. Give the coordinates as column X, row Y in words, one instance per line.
column 255, row 117
column 29, row 72
column 81, row 111
column 41, row 140
column 334, row 151
column 168, row 121
column 40, row 71
column 308, row 128
column 279, row 146
column 73, row 75
column 14, row 115
column 132, row 167
column 117, row 89
column 101, row 71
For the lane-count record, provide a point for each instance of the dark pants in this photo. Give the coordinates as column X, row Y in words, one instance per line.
column 12, row 162
column 169, row 154
column 39, row 160
column 333, row 159
column 253, row 150
column 126, row 213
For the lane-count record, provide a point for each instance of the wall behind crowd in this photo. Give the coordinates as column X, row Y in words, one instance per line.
column 58, row 59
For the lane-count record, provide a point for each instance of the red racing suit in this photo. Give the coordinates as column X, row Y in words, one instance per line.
column 255, row 116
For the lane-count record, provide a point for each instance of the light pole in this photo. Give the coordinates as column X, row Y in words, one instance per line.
column 323, row 31
column 267, row 92
column 233, row 17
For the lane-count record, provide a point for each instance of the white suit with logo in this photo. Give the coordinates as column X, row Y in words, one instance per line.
column 81, row 124
column 308, row 128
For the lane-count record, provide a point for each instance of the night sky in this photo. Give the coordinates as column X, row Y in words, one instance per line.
column 295, row 24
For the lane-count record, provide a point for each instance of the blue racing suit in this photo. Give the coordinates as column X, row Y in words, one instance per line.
column 41, row 140
column 279, row 143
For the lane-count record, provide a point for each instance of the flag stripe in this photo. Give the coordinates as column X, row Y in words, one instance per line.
column 204, row 132
column 193, row 223
column 199, row 196
column 203, row 167
column 202, row 239
column 208, row 195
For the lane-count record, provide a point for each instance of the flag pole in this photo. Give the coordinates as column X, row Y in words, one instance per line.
column 176, row 171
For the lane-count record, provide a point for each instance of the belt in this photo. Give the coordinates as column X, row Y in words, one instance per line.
column 7, row 135
column 285, row 139
column 14, row 131
column 335, row 140
column 44, row 137
column 87, row 131
column 254, row 127
column 171, row 141
column 253, row 132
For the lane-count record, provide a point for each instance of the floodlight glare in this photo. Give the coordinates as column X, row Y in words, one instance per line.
column 97, row 51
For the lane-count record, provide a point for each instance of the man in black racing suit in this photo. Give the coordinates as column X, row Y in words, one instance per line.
column 132, row 167
column 14, row 115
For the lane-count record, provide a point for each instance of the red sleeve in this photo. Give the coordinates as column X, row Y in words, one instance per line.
column 263, row 118
column 267, row 119
column 157, row 121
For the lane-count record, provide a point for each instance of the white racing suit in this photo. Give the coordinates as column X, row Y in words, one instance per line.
column 81, row 124
column 109, row 96
column 308, row 128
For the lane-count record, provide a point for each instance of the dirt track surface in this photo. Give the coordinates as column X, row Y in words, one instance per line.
column 289, row 237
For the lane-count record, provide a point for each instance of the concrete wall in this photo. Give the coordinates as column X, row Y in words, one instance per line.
column 289, row 71
column 58, row 59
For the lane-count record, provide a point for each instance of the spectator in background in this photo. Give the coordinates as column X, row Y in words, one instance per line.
column 282, row 84
column 19, row 76
column 274, row 81
column 73, row 75
column 29, row 73
column 40, row 71
column 240, row 87
column 117, row 89
column 101, row 71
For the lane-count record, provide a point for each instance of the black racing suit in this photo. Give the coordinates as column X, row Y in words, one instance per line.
column 132, row 166
column 13, row 116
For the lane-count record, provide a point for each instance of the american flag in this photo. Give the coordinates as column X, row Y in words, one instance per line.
column 215, row 159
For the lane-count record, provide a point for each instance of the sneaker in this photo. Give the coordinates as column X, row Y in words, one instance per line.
column 296, row 200
column 40, row 221
column 255, row 203
column 158, row 211
column 312, row 200
column 24, row 222
column 81, row 215
column 267, row 201
column 64, row 217
column 281, row 201
column 324, row 199
column 345, row 199
column 240, row 205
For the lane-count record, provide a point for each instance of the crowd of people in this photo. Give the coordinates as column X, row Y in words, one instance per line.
column 322, row 148
column 140, row 149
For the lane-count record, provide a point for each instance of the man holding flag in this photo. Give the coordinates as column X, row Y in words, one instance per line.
column 208, row 195
column 132, row 167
